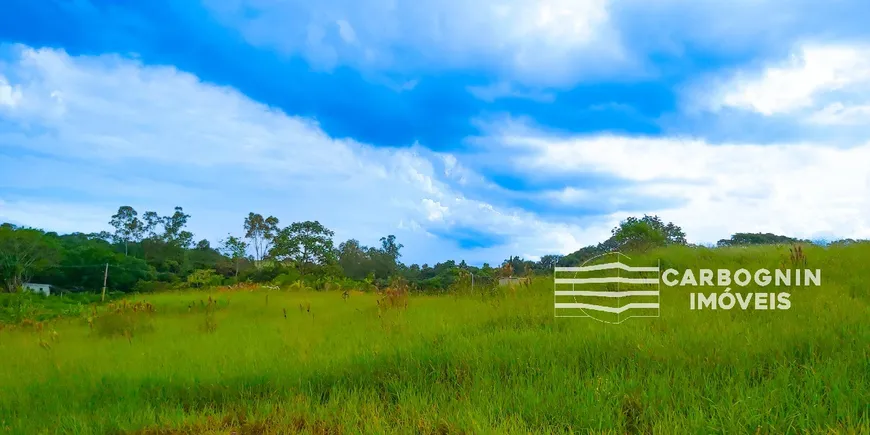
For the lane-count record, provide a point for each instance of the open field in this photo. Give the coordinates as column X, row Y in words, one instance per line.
column 263, row 362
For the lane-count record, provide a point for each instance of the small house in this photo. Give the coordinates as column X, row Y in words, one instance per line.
column 38, row 288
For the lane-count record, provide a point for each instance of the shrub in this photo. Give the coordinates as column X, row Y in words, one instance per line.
column 203, row 278
column 150, row 286
column 286, row 279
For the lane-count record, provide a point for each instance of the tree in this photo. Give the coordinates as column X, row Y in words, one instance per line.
column 235, row 248
column 174, row 232
column 514, row 266
column 261, row 232
column 548, row 262
column 741, row 239
column 203, row 245
column 203, row 278
column 127, row 226
column 150, row 221
column 24, row 251
column 304, row 243
column 390, row 247
column 646, row 233
column 353, row 259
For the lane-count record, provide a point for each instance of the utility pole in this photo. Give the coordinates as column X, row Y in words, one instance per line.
column 105, row 278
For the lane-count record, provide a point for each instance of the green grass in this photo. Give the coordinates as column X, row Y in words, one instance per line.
column 454, row 364
column 15, row 307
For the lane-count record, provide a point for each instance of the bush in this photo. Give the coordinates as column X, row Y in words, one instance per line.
column 166, row 277
column 150, row 286
column 203, row 278
column 287, row 278
column 266, row 273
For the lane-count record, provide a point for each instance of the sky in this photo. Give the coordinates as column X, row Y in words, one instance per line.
column 470, row 130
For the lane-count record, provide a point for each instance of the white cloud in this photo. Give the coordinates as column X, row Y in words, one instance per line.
column 811, row 76
column 840, row 114
column 548, row 42
column 155, row 137
column 795, row 189
column 434, row 210
column 9, row 95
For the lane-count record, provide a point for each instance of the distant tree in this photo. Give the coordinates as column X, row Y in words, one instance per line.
column 235, row 248
column 174, row 232
column 486, row 270
column 514, row 266
column 548, row 262
column 304, row 243
column 353, row 259
column 128, row 227
column 261, row 232
column 81, row 265
column 24, row 251
column 203, row 245
column 203, row 278
column 635, row 234
column 741, row 239
column 390, row 247
column 150, row 221
column 102, row 235
column 385, row 261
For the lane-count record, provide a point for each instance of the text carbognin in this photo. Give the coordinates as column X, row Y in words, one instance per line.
column 726, row 300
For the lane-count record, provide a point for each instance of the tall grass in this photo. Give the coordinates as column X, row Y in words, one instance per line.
column 313, row 362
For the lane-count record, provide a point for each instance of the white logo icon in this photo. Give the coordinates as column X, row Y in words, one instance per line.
column 606, row 289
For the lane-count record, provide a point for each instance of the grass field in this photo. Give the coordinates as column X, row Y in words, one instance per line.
column 261, row 362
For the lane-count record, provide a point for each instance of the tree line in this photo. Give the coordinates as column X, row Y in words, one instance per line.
column 149, row 252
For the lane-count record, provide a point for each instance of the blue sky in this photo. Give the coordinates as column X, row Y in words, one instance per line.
column 470, row 130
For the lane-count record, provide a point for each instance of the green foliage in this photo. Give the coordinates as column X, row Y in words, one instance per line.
column 128, row 227
column 743, row 239
column 632, row 234
column 267, row 272
column 646, row 233
column 306, row 244
column 173, row 229
column 159, row 249
column 150, row 286
column 310, row 362
column 235, row 248
column 23, row 253
column 203, row 278
column 260, row 231
column 287, row 278
column 15, row 307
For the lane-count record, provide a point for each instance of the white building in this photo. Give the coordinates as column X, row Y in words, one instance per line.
column 38, row 288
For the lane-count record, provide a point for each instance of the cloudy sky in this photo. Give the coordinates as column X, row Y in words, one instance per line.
column 469, row 129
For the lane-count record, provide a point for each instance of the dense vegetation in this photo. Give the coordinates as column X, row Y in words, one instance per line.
column 233, row 361
column 154, row 252
column 246, row 344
